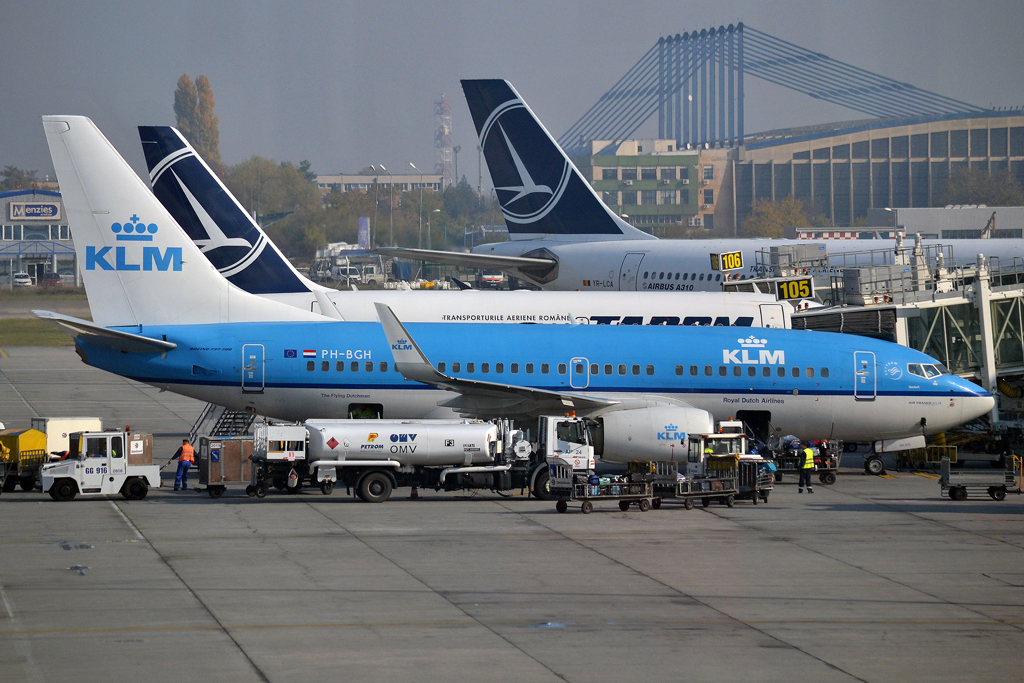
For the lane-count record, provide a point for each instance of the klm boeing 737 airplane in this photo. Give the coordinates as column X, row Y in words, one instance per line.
column 563, row 237
column 166, row 317
column 216, row 222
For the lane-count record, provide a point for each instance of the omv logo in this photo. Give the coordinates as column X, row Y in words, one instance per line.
column 151, row 258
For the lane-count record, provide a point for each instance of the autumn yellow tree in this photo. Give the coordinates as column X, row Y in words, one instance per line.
column 193, row 109
column 768, row 218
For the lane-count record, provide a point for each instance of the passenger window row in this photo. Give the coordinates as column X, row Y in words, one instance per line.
column 737, row 371
column 662, row 275
column 325, row 366
column 545, row 368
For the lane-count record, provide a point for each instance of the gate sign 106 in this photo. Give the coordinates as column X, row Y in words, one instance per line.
column 732, row 260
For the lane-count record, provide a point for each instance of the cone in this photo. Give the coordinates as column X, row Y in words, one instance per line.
column 414, row 495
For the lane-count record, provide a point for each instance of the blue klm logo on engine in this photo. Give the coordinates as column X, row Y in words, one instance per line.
column 671, row 433
column 133, row 230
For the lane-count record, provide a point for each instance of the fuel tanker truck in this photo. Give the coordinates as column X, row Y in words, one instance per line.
column 373, row 457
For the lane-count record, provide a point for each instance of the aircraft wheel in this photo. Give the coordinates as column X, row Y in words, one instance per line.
column 874, row 465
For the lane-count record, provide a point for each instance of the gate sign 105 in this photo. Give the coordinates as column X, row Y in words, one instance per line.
column 802, row 288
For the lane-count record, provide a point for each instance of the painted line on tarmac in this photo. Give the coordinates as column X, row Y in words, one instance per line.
column 885, row 476
column 3, row 354
column 922, row 474
column 521, row 624
column 135, row 529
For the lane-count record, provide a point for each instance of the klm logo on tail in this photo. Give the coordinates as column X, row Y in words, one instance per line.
column 133, row 230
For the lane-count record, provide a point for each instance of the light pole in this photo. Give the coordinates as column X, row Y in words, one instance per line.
column 376, row 187
column 391, row 202
column 419, row 238
column 428, row 226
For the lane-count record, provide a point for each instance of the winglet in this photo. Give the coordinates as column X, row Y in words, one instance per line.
column 409, row 357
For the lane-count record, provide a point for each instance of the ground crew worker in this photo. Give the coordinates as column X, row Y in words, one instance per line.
column 185, row 457
column 806, row 464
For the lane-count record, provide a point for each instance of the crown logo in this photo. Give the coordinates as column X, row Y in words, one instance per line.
column 671, row 428
column 134, row 230
column 752, row 343
column 402, row 341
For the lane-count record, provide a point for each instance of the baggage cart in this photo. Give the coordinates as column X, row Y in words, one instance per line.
column 567, row 486
column 960, row 484
column 755, row 479
column 24, row 452
column 718, row 483
column 826, row 462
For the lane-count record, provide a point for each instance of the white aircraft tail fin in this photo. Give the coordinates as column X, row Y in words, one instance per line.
column 139, row 267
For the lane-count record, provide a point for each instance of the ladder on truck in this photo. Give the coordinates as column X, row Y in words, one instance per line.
column 217, row 420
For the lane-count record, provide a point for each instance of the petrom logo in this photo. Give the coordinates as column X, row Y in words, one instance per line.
column 750, row 344
column 133, row 230
column 401, row 345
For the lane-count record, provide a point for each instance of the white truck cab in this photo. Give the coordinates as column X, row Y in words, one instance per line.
column 97, row 465
column 566, row 441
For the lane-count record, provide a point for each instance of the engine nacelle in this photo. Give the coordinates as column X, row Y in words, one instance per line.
column 655, row 433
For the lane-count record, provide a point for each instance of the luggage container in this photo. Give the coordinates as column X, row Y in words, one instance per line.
column 567, row 485
column 59, row 429
column 224, row 461
column 23, row 452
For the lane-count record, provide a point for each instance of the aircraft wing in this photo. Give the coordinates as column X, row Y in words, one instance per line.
column 476, row 398
column 101, row 336
column 484, row 261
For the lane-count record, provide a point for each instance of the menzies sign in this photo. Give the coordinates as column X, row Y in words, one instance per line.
column 34, row 211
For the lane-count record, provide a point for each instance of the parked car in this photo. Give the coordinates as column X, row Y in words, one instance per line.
column 52, row 280
column 22, row 280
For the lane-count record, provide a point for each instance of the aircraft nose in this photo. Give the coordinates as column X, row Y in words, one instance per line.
column 978, row 404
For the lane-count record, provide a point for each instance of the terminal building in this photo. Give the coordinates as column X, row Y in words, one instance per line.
column 693, row 86
column 35, row 237
column 364, row 183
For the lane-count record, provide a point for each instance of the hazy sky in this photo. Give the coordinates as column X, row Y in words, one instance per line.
column 348, row 84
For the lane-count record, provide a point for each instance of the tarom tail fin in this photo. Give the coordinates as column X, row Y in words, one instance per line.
column 213, row 218
column 541, row 192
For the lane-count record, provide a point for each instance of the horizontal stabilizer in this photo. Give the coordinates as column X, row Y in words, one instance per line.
column 476, row 398
column 101, row 336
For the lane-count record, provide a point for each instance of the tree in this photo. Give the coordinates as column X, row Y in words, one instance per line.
column 193, row 110
column 970, row 186
column 207, row 132
column 15, row 178
column 305, row 169
column 267, row 187
column 186, row 108
column 768, row 218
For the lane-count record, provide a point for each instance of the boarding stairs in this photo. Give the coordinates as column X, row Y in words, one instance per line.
column 217, row 420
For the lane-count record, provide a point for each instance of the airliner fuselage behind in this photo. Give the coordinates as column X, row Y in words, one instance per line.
column 815, row 385
column 679, row 265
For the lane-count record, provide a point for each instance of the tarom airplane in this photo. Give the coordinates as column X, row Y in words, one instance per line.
column 563, row 237
column 240, row 250
column 166, row 317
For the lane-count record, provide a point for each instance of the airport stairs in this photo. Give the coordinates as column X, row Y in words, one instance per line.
column 217, row 420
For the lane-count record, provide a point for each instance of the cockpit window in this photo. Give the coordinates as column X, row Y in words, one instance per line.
column 926, row 370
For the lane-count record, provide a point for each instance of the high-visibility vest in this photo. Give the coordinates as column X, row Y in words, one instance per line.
column 187, row 453
column 808, row 462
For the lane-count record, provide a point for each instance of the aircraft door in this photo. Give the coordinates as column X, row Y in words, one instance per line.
column 579, row 373
column 252, row 368
column 628, row 272
column 772, row 316
column 864, row 382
